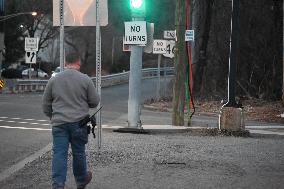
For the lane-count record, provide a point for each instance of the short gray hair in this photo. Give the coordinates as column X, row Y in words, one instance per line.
column 72, row 57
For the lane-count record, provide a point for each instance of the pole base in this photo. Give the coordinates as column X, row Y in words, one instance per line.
column 231, row 119
column 240, row 133
column 131, row 130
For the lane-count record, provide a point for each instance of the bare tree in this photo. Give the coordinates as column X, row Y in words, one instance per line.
column 39, row 26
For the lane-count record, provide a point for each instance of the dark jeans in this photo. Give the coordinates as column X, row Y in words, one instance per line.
column 63, row 135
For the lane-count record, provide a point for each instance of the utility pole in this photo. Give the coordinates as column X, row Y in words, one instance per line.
column 231, row 117
column 2, row 9
column 180, row 65
column 234, row 46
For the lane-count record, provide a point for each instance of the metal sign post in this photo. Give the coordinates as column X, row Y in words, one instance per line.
column 159, row 47
column 61, row 10
column 98, row 70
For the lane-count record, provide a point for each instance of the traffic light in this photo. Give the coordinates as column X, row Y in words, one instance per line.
column 138, row 8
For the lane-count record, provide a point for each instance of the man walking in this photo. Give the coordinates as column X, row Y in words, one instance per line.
column 66, row 101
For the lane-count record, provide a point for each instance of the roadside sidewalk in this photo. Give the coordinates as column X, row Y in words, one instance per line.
column 160, row 122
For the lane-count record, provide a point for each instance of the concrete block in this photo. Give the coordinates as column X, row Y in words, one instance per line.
column 231, row 119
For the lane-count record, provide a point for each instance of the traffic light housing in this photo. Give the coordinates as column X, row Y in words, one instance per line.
column 138, row 8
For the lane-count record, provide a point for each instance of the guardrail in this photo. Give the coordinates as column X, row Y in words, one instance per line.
column 21, row 85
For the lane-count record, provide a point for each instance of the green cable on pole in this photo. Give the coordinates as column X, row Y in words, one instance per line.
column 187, row 95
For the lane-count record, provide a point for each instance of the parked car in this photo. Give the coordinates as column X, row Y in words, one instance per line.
column 11, row 73
column 56, row 71
column 27, row 72
column 41, row 73
column 22, row 67
column 34, row 73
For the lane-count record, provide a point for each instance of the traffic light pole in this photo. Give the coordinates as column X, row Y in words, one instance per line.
column 231, row 116
column 134, row 100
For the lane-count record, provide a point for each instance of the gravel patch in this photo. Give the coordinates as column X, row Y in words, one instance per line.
column 170, row 161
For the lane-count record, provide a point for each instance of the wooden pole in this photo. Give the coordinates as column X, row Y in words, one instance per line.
column 180, row 65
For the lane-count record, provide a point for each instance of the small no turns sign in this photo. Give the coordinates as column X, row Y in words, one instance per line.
column 159, row 46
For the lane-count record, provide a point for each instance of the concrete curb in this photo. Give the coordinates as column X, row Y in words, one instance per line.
column 208, row 131
column 16, row 167
column 266, row 134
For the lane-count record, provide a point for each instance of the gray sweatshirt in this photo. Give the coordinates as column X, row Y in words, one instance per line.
column 68, row 97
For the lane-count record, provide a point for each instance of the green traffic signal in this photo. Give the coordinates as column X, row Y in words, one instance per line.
column 137, row 7
column 136, row 4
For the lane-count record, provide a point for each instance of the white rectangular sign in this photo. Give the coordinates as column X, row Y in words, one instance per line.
column 31, row 44
column 160, row 47
column 31, row 57
column 80, row 12
column 189, row 35
column 170, row 34
column 135, row 33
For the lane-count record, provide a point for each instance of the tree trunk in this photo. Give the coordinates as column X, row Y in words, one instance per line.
column 283, row 84
column 180, row 65
column 201, row 24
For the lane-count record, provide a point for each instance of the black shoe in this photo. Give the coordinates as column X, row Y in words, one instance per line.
column 87, row 180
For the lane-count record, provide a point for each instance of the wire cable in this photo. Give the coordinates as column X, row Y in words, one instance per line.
column 189, row 75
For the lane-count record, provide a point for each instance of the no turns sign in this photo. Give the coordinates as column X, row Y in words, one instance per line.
column 135, row 33
column 160, row 47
